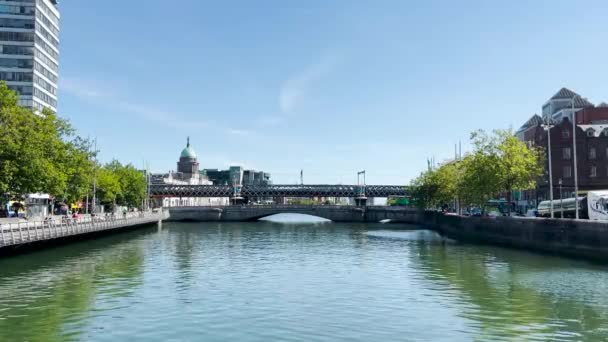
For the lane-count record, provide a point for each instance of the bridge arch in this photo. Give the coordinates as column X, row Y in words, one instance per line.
column 292, row 217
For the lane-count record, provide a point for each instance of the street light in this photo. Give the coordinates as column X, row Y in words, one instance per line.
column 574, row 150
column 561, row 203
column 547, row 127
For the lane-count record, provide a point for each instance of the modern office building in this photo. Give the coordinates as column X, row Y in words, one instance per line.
column 29, row 50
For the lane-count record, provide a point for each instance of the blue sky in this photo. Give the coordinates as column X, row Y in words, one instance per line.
column 331, row 87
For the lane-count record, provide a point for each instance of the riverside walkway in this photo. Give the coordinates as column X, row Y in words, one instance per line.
column 24, row 232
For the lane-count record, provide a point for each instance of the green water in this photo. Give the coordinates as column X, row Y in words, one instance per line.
column 265, row 281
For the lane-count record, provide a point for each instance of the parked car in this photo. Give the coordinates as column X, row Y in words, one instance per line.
column 532, row 213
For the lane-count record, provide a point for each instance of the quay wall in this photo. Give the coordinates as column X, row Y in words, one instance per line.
column 574, row 238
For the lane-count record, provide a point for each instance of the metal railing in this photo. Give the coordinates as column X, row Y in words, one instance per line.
column 12, row 234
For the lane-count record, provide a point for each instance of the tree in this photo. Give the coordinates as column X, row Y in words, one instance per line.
column 499, row 163
column 80, row 169
column 132, row 184
column 519, row 165
column 108, row 186
column 40, row 152
column 438, row 187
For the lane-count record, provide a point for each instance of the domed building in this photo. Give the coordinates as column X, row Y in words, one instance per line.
column 188, row 164
column 188, row 174
column 187, row 169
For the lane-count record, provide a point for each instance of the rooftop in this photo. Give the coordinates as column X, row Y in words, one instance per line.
column 188, row 152
column 567, row 94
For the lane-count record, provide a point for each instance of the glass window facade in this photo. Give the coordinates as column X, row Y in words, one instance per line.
column 45, row 72
column 16, row 63
column 48, row 12
column 49, row 25
column 45, row 85
column 22, row 89
column 17, row 23
column 49, row 63
column 44, row 97
column 14, row 9
column 17, row 36
column 592, row 154
column 567, row 171
column 46, row 47
column 45, row 33
column 16, row 76
column 16, row 50
column 31, row 63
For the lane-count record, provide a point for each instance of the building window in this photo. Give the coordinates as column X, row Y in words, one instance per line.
column 566, row 153
column 567, row 171
column 593, row 172
column 592, row 153
column 565, row 133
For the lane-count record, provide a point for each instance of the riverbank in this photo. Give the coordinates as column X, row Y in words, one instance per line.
column 573, row 238
column 24, row 235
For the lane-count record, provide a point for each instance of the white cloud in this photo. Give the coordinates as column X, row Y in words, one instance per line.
column 93, row 92
column 82, row 89
column 294, row 90
column 237, row 131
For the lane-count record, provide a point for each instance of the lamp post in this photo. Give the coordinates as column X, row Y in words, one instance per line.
column 561, row 203
column 360, row 199
column 547, row 127
column 575, row 164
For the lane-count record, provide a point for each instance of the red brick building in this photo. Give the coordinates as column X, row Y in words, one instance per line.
column 591, row 146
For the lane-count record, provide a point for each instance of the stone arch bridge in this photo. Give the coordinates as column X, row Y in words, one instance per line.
column 336, row 213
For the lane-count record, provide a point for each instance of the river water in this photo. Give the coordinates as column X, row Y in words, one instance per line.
column 266, row 281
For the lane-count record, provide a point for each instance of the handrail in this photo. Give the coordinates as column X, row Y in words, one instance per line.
column 31, row 231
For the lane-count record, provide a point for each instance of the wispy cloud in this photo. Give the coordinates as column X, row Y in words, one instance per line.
column 238, row 131
column 294, row 90
column 95, row 93
column 82, row 88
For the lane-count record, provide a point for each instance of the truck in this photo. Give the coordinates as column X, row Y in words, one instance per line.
column 597, row 205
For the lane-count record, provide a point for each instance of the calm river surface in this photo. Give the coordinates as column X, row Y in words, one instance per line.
column 266, row 281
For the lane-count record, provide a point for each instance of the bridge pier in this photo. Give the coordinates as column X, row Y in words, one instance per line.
column 361, row 201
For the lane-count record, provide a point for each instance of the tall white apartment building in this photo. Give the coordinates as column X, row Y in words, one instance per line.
column 29, row 50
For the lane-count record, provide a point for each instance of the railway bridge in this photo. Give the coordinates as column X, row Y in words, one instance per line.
column 359, row 192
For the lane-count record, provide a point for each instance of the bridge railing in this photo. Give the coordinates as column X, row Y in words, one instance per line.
column 31, row 231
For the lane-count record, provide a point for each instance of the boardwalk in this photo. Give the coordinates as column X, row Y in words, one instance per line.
column 12, row 234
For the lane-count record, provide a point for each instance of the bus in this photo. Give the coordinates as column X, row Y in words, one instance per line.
column 398, row 201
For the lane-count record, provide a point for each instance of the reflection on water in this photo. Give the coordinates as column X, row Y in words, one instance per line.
column 307, row 282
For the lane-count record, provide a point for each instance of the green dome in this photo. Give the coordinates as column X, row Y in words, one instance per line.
column 188, row 152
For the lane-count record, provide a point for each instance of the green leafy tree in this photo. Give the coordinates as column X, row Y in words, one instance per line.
column 131, row 189
column 108, row 187
column 38, row 152
column 499, row 163
column 132, row 184
column 519, row 166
